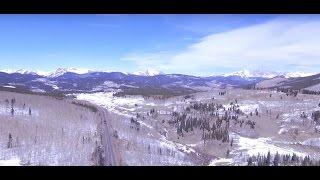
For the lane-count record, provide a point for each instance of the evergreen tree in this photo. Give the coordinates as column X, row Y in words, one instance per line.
column 10, row 141
column 276, row 159
column 268, row 159
column 294, row 158
column 250, row 161
column 12, row 111
column 228, row 153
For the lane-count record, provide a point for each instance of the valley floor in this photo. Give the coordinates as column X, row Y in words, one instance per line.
column 279, row 127
column 136, row 130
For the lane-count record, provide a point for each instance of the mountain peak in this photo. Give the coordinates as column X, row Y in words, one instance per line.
column 60, row 71
column 23, row 71
column 248, row 74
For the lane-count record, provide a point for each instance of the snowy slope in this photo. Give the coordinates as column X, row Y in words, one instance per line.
column 271, row 82
column 314, row 88
column 10, row 162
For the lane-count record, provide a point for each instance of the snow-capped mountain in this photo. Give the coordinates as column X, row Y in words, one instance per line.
column 308, row 82
column 148, row 72
column 85, row 80
column 61, row 71
column 152, row 72
column 23, row 71
column 56, row 73
column 52, row 74
column 248, row 74
column 298, row 74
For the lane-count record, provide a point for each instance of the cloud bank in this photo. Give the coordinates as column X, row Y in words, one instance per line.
column 282, row 44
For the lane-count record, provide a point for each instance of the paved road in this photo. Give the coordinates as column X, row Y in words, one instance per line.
column 108, row 153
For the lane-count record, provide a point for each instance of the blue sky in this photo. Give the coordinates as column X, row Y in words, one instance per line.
column 189, row 44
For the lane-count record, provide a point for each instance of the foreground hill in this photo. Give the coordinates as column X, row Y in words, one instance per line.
column 41, row 130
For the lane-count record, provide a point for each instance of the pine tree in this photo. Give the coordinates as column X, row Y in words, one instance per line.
column 268, row 159
column 276, row 159
column 294, row 158
column 250, row 161
column 10, row 141
column 228, row 153
column 13, row 101
column 12, row 111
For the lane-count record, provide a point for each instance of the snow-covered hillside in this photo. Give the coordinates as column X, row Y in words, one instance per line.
column 54, row 132
column 276, row 81
column 314, row 88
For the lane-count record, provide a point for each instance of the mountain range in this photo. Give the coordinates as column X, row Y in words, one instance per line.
column 311, row 83
column 74, row 80
column 152, row 72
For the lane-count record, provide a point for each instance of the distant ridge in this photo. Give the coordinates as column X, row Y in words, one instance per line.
column 152, row 72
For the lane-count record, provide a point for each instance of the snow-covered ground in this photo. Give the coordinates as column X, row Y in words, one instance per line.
column 248, row 106
column 270, row 134
column 47, row 82
column 221, row 162
column 161, row 150
column 6, row 110
column 314, row 87
column 271, row 82
column 13, row 87
column 108, row 101
column 312, row 142
column 262, row 146
column 10, row 162
column 56, row 133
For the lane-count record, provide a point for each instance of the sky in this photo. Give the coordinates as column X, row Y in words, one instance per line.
column 187, row 44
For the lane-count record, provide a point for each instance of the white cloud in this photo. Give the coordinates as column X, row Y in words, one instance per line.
column 273, row 45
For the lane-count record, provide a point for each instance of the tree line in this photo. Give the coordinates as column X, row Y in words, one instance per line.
column 281, row 160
